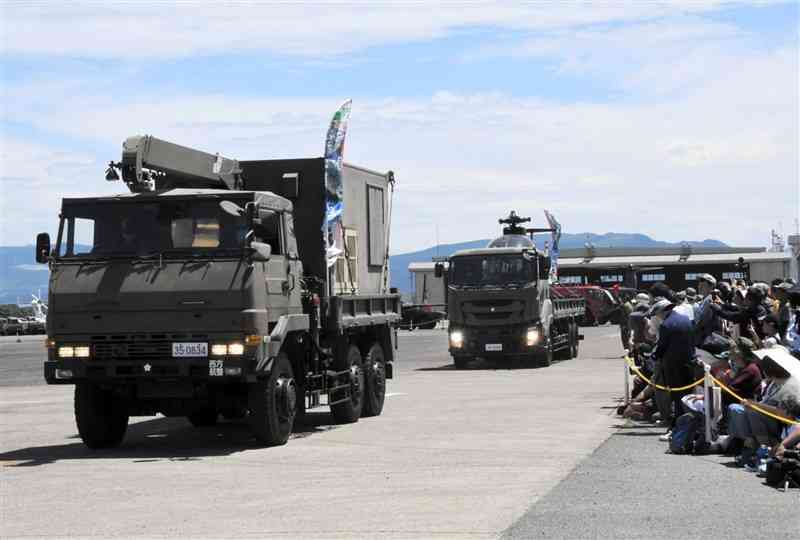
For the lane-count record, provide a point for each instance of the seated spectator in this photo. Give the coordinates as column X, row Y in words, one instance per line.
column 781, row 397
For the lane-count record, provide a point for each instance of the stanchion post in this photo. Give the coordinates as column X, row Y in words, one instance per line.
column 707, row 400
column 627, row 378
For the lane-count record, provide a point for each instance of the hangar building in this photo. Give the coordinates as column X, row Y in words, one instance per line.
column 640, row 267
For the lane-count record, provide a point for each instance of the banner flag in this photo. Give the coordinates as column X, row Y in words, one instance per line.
column 334, row 190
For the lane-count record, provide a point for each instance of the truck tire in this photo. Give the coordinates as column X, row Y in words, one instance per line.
column 574, row 341
column 544, row 357
column 273, row 404
column 461, row 362
column 203, row 418
column 101, row 417
column 374, row 381
column 349, row 411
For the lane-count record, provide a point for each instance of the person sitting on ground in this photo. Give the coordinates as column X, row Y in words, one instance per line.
column 744, row 377
column 790, row 441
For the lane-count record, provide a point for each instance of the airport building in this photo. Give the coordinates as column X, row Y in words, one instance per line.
column 640, row 268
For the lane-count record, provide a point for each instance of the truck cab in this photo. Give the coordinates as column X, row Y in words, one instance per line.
column 199, row 295
column 500, row 306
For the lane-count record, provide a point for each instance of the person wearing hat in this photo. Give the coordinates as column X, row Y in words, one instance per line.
column 783, row 310
column 792, row 336
column 750, row 317
column 744, row 377
column 781, row 397
column 705, row 319
column 674, row 352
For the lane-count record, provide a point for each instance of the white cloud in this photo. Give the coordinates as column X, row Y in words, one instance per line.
column 711, row 139
column 180, row 29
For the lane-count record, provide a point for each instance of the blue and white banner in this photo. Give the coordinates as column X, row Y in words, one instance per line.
column 556, row 236
column 334, row 190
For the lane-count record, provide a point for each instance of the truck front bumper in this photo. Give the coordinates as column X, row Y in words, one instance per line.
column 493, row 342
column 205, row 369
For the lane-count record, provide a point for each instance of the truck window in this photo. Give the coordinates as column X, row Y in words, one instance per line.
column 376, row 228
column 480, row 270
column 269, row 232
column 84, row 235
column 101, row 228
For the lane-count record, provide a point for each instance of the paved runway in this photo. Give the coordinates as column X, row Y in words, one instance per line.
column 456, row 454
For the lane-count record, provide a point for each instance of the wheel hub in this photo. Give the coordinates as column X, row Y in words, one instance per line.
column 287, row 395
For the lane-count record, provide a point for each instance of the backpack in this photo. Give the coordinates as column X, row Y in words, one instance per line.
column 688, row 436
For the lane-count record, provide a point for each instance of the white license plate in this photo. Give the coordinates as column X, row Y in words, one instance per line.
column 216, row 368
column 189, row 350
column 494, row 347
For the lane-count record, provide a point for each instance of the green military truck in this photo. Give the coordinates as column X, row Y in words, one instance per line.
column 206, row 292
column 500, row 304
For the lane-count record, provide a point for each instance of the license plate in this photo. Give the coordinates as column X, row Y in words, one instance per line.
column 189, row 350
column 494, row 347
column 216, row 368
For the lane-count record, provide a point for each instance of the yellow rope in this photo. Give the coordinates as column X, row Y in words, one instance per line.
column 658, row 386
column 754, row 406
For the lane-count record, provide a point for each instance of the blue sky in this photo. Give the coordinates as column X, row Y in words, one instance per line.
column 653, row 117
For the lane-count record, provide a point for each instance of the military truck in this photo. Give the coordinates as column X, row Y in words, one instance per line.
column 206, row 291
column 500, row 305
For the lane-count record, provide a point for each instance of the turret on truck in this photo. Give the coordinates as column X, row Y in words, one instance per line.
column 205, row 292
column 500, row 303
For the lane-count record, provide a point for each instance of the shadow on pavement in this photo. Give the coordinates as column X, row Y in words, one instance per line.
column 161, row 439
column 481, row 364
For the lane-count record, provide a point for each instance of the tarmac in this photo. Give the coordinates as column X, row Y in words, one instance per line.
column 479, row 453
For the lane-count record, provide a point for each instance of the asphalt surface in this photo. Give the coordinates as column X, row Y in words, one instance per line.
column 480, row 453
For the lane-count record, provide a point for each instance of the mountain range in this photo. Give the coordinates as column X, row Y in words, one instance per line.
column 20, row 275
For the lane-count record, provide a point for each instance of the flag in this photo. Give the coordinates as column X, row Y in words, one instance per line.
column 334, row 191
column 556, row 236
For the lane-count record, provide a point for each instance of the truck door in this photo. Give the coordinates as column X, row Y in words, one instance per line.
column 271, row 231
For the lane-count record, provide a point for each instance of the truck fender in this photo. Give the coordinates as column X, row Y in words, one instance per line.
column 546, row 315
column 287, row 324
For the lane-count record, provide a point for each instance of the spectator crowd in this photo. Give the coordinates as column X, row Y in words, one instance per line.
column 747, row 336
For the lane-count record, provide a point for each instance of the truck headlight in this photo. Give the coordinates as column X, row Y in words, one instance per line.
column 82, row 352
column 66, row 352
column 532, row 337
column 456, row 339
column 219, row 349
column 236, row 349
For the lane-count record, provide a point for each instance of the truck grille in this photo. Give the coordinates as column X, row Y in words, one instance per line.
column 138, row 346
column 494, row 311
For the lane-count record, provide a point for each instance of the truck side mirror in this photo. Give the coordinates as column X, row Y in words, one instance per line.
column 438, row 270
column 259, row 251
column 42, row 247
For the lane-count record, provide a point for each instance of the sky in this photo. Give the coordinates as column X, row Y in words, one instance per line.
column 674, row 119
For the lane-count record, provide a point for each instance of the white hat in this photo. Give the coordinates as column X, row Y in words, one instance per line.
column 782, row 357
column 707, row 277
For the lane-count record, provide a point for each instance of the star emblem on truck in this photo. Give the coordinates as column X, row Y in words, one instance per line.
column 147, row 368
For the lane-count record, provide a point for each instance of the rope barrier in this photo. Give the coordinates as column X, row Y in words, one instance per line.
column 636, row 370
column 754, row 406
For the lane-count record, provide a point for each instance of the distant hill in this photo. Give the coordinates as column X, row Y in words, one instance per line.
column 401, row 277
column 20, row 275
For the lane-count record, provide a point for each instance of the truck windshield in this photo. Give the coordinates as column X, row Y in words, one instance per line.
column 109, row 228
column 478, row 270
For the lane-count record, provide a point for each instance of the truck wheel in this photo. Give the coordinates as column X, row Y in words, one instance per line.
column 544, row 358
column 349, row 411
column 273, row 404
column 461, row 362
column 203, row 418
column 374, row 381
column 574, row 341
column 101, row 416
